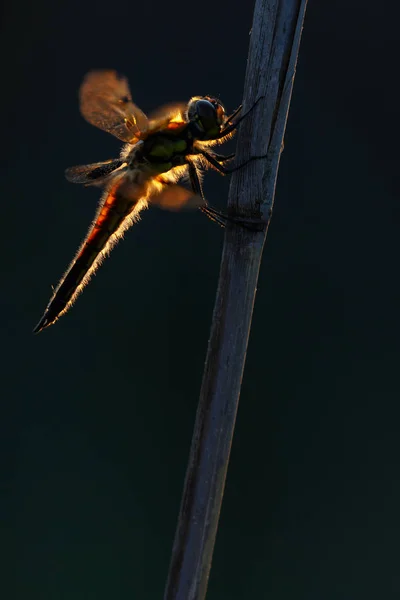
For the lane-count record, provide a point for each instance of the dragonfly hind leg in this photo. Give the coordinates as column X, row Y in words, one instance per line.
column 213, row 214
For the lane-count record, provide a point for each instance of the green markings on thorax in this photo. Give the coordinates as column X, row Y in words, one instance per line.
column 162, row 151
column 163, row 147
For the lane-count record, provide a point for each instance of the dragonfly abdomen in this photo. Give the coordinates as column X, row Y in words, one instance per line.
column 116, row 213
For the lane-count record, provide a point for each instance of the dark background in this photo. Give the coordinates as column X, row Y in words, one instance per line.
column 97, row 412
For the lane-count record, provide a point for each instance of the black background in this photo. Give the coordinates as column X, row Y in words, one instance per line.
column 97, row 412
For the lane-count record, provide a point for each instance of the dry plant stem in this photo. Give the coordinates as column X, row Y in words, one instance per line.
column 274, row 46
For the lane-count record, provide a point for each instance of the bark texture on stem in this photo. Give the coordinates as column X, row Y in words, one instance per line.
column 274, row 46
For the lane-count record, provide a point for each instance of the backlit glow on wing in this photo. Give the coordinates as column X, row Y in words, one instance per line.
column 169, row 116
column 175, row 197
column 106, row 102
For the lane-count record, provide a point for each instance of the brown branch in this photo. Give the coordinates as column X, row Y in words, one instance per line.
column 274, row 46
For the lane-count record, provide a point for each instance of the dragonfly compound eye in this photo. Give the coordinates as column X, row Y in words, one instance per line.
column 203, row 113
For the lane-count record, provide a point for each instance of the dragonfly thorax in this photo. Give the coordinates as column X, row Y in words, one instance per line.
column 160, row 152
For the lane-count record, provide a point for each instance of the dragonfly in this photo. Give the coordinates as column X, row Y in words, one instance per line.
column 173, row 143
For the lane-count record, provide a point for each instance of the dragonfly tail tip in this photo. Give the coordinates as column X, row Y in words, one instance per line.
column 43, row 323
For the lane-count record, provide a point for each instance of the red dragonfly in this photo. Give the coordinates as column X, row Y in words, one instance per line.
column 172, row 143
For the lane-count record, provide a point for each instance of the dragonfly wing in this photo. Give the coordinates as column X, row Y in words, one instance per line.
column 94, row 174
column 169, row 116
column 106, row 102
column 175, row 197
column 118, row 210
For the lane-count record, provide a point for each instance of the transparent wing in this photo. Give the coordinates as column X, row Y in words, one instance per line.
column 175, row 197
column 106, row 102
column 162, row 193
column 94, row 174
column 169, row 116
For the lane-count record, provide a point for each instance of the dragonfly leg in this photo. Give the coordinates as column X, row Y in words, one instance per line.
column 211, row 213
column 215, row 215
column 247, row 223
column 233, row 115
column 214, row 162
column 221, row 157
column 233, row 125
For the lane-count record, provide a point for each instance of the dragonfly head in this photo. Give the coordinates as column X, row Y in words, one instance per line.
column 207, row 115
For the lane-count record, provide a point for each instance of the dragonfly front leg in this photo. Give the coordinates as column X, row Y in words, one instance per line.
column 231, row 125
column 233, row 115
